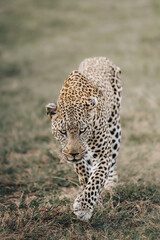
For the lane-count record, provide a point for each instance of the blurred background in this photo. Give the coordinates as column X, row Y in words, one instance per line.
column 41, row 42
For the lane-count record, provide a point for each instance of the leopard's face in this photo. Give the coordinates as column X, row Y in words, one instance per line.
column 72, row 127
column 73, row 134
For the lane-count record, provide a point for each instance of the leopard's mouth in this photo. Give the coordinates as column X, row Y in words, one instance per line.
column 75, row 160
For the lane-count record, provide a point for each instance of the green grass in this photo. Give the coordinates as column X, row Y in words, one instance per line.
column 41, row 42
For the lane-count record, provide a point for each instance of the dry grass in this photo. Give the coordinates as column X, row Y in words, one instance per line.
column 41, row 42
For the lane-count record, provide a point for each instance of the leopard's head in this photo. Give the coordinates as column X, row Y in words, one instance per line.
column 72, row 124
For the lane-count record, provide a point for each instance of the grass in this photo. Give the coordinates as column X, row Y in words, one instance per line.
column 41, row 42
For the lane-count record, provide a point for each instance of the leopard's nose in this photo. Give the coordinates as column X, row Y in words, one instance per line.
column 74, row 154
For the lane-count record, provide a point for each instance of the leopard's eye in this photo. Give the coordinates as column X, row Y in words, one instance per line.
column 63, row 132
column 82, row 130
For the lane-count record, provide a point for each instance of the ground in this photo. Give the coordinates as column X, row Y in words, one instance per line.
column 41, row 42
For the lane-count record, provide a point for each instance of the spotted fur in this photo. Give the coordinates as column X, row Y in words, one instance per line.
column 86, row 120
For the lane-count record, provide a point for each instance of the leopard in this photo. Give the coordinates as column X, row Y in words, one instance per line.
column 86, row 121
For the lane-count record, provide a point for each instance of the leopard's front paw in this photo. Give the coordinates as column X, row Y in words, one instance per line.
column 81, row 210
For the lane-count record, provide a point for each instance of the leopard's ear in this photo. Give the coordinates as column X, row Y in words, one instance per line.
column 91, row 103
column 51, row 109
